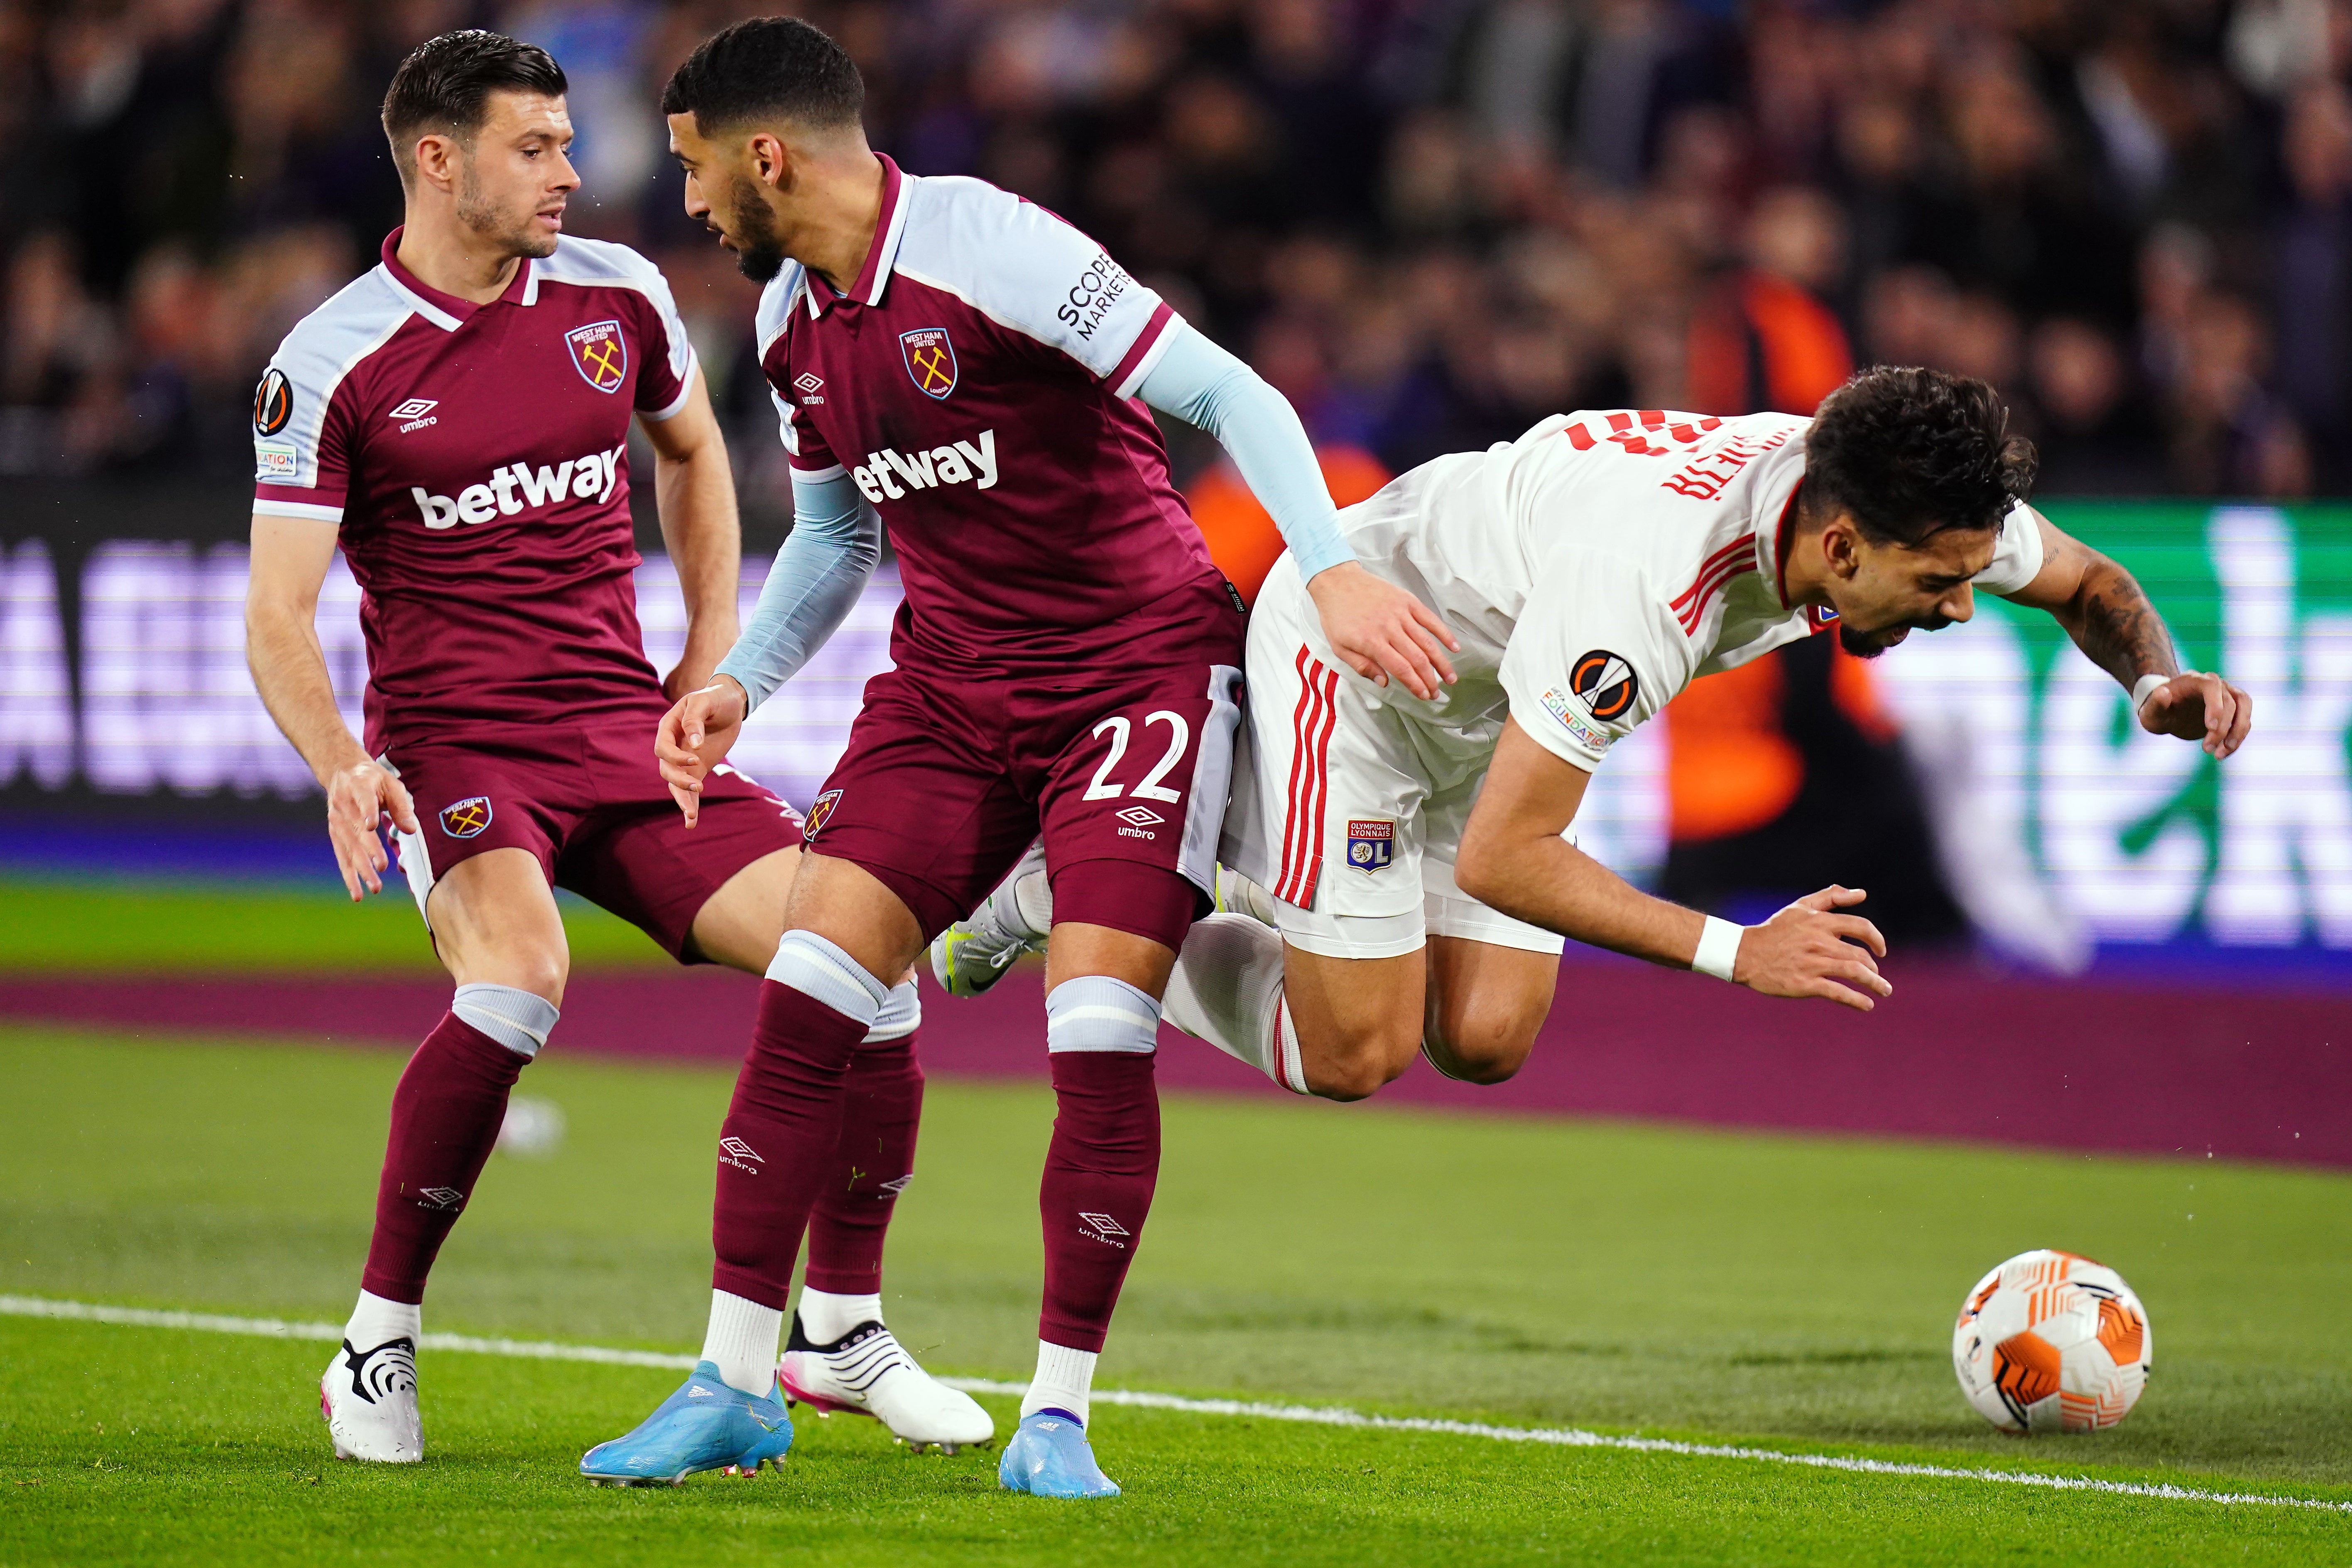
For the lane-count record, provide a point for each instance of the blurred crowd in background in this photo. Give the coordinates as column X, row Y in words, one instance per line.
column 1429, row 222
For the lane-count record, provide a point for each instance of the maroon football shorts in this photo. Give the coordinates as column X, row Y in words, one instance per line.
column 588, row 801
column 1122, row 762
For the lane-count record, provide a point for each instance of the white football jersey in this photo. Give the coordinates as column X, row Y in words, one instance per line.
column 1597, row 565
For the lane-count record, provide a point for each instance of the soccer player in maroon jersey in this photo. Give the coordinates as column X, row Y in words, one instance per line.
column 458, row 420
column 964, row 365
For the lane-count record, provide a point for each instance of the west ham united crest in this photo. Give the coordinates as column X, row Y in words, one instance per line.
column 1371, row 843
column 467, row 818
column 930, row 360
column 600, row 354
column 818, row 813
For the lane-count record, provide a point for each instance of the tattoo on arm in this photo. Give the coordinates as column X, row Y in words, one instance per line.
column 2119, row 630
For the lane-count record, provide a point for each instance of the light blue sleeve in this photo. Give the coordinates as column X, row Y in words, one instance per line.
column 1210, row 390
column 836, row 537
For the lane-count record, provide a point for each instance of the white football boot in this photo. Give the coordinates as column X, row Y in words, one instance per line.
column 368, row 1400
column 973, row 954
column 865, row 1372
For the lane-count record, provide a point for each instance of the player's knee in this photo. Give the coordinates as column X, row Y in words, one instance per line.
column 1356, row 1064
column 1484, row 1043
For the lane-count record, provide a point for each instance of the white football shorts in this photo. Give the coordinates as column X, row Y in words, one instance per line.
column 1345, row 809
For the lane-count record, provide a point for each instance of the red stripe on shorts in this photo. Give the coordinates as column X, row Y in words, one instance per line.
column 1302, row 835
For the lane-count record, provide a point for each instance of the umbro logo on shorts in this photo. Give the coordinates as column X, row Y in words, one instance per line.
column 441, row 1197
column 467, row 818
column 733, row 1151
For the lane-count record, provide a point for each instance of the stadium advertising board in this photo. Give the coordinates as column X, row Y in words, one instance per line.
column 2064, row 824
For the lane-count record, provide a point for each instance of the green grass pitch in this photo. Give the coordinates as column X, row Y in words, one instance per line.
column 1776, row 1290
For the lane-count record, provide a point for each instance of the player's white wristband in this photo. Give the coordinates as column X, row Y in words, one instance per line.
column 2147, row 686
column 1718, row 947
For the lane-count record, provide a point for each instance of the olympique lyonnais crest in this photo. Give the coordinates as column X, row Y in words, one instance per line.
column 1371, row 845
column 930, row 360
column 466, row 817
column 818, row 813
column 600, row 354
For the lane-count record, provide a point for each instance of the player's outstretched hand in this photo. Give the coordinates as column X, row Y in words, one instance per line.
column 2194, row 706
column 358, row 798
column 1811, row 950
column 1381, row 631
column 695, row 736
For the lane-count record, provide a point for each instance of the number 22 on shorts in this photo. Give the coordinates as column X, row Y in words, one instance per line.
column 1180, row 736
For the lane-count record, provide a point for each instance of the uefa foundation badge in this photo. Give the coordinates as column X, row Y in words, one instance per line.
column 1371, row 845
column 600, row 354
column 467, row 818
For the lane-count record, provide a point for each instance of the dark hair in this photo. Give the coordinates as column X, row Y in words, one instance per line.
column 445, row 84
column 1910, row 453
column 770, row 68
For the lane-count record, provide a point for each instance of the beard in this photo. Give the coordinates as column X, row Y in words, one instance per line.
column 759, row 248
column 1870, row 644
column 513, row 233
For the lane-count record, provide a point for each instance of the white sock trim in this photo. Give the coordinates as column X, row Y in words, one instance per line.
column 378, row 1320
column 901, row 1014
column 1095, row 1012
column 518, row 1019
column 1064, row 1381
column 808, row 962
column 743, row 1342
column 826, row 1317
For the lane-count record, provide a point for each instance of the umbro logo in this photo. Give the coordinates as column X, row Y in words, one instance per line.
column 741, row 1155
column 416, row 413
column 1102, row 1227
column 808, row 381
column 738, row 1148
column 1140, row 817
column 441, row 1197
column 895, row 1188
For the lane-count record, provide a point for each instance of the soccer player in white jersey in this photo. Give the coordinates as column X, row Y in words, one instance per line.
column 1411, row 855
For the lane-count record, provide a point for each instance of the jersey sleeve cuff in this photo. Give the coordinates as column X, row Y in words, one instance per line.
column 685, row 390
column 266, row 504
column 1551, row 731
column 814, row 476
column 1144, row 352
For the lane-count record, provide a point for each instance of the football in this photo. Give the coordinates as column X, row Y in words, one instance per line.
column 2052, row 1342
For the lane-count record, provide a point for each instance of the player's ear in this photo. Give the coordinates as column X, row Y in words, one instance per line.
column 434, row 159
column 772, row 162
column 1842, row 546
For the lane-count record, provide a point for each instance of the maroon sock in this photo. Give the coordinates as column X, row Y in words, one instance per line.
column 776, row 1148
column 445, row 1116
column 1099, row 1172
column 880, row 1111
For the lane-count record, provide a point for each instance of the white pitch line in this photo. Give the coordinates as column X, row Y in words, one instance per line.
column 1309, row 1414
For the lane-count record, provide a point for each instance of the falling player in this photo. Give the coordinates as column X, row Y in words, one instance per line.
column 457, row 418
column 1408, row 854
column 956, row 361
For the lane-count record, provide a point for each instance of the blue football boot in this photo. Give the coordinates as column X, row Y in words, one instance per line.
column 705, row 1425
column 1050, row 1457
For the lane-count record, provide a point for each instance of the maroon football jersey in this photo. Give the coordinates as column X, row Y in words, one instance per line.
column 978, row 383
column 476, row 458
